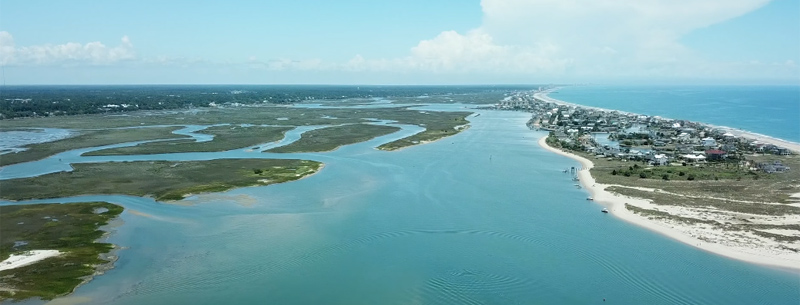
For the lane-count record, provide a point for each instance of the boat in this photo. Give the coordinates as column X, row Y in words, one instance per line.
column 589, row 198
column 604, row 210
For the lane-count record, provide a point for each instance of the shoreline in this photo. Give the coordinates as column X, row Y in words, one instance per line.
column 111, row 257
column 793, row 146
column 616, row 206
column 423, row 142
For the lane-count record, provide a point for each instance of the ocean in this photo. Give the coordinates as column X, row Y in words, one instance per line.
column 767, row 110
column 482, row 217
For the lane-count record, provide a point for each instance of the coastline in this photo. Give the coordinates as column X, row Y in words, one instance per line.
column 111, row 257
column 793, row 146
column 55, row 278
column 423, row 142
column 616, row 206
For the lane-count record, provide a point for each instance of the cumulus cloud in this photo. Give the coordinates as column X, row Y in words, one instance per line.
column 528, row 40
column 71, row 53
column 477, row 51
column 579, row 39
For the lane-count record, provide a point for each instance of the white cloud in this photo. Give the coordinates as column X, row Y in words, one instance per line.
column 518, row 40
column 71, row 53
column 579, row 39
column 451, row 52
column 477, row 52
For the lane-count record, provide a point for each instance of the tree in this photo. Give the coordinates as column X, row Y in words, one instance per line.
column 614, row 172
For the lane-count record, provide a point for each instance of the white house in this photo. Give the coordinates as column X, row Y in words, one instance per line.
column 660, row 159
column 709, row 142
column 694, row 158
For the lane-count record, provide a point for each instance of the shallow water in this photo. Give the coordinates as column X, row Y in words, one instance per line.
column 14, row 140
column 483, row 217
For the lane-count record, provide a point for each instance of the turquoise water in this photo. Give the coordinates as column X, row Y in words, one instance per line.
column 483, row 217
column 768, row 110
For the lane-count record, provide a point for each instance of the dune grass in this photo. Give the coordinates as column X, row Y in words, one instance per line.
column 704, row 202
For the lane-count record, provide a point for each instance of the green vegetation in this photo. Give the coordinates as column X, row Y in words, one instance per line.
column 88, row 138
column 422, row 137
column 225, row 138
column 726, row 195
column 70, row 228
column 474, row 98
column 163, row 180
column 719, row 180
column 331, row 138
column 43, row 101
column 671, row 172
column 724, row 180
column 290, row 116
column 439, row 129
column 438, row 124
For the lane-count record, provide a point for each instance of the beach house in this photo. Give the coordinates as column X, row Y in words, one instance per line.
column 659, row 159
column 693, row 158
column 708, row 142
column 715, row 155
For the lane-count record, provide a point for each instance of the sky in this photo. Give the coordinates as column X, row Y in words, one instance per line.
column 401, row 42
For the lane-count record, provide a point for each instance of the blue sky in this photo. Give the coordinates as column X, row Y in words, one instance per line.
column 400, row 42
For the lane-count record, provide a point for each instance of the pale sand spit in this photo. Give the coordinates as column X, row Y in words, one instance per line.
column 26, row 258
column 734, row 244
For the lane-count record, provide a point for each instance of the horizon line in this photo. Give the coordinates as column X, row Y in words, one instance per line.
column 414, row 85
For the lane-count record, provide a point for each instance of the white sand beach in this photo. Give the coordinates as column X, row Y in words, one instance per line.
column 27, row 258
column 795, row 147
column 752, row 248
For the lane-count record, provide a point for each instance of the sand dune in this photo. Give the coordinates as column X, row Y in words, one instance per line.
column 27, row 258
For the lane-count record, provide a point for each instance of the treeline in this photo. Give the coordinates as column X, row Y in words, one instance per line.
column 31, row 101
